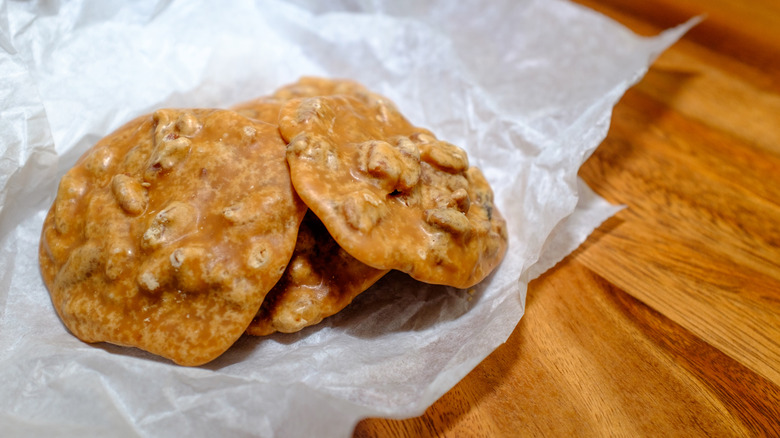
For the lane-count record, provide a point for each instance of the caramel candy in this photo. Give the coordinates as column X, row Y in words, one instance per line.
column 391, row 194
column 267, row 108
column 320, row 280
column 168, row 233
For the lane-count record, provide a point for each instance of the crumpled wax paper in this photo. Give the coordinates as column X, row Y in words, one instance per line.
column 525, row 86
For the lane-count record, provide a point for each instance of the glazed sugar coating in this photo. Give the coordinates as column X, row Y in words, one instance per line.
column 320, row 280
column 168, row 233
column 391, row 194
column 309, row 86
column 267, row 108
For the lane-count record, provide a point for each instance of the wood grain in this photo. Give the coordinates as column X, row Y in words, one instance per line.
column 667, row 320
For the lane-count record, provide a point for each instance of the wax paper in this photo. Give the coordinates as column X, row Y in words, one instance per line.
column 525, row 86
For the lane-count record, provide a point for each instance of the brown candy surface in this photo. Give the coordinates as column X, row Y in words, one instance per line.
column 391, row 194
column 168, row 233
column 320, row 280
column 267, row 108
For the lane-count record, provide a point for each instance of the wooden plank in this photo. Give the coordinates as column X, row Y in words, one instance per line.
column 693, row 246
column 718, row 100
column 590, row 360
column 744, row 30
column 653, row 167
column 715, row 153
column 731, row 307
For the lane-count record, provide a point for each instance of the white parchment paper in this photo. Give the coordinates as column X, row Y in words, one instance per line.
column 525, row 86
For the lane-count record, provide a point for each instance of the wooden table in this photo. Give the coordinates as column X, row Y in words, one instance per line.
column 667, row 320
